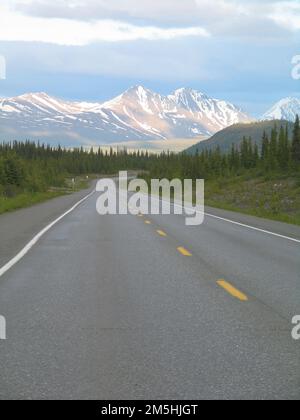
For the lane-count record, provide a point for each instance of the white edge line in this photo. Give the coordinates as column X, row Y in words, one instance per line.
column 30, row 244
column 232, row 221
column 253, row 228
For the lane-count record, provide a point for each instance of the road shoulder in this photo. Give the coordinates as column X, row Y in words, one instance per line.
column 280, row 228
column 19, row 227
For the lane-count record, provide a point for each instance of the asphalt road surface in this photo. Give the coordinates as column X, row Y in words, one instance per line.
column 128, row 307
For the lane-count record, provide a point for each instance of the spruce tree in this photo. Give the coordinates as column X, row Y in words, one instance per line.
column 283, row 149
column 296, row 141
column 265, row 148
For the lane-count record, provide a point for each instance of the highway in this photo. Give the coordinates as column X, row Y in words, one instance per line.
column 144, row 307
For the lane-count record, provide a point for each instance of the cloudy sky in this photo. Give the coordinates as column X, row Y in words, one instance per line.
column 239, row 50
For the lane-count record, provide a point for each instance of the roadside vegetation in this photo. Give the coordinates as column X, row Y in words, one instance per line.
column 273, row 197
column 20, row 198
column 261, row 180
column 24, row 199
column 31, row 173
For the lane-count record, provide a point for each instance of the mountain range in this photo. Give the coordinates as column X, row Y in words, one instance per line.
column 137, row 115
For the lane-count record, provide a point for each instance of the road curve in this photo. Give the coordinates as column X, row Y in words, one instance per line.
column 127, row 307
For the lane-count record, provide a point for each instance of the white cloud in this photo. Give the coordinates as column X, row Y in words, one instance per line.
column 148, row 19
column 100, row 9
column 287, row 14
column 82, row 22
column 17, row 27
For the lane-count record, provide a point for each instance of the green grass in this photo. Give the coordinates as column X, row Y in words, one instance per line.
column 25, row 200
column 275, row 198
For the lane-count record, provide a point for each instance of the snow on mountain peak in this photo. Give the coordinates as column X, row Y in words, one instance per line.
column 136, row 114
column 137, row 90
column 33, row 96
column 189, row 92
column 285, row 109
column 184, row 96
column 143, row 96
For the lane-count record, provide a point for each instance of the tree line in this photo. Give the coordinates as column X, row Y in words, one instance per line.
column 277, row 154
column 34, row 167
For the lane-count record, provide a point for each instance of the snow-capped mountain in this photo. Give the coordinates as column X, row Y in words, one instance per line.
column 285, row 109
column 137, row 114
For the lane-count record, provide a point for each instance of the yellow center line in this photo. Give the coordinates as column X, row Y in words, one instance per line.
column 147, row 222
column 140, row 215
column 161, row 233
column 184, row 251
column 232, row 290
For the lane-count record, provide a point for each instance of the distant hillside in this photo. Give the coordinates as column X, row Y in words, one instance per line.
column 235, row 133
